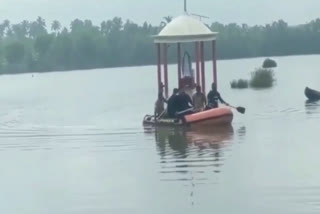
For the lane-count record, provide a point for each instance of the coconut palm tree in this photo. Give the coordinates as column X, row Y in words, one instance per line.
column 56, row 26
column 76, row 25
column 4, row 27
column 37, row 28
column 117, row 24
column 41, row 22
column 21, row 30
column 106, row 27
column 25, row 25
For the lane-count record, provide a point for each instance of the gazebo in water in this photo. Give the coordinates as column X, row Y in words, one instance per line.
column 185, row 29
column 189, row 29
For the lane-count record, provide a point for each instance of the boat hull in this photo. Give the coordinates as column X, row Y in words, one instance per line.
column 311, row 94
column 223, row 120
column 212, row 117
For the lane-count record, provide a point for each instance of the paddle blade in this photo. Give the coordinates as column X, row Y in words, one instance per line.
column 241, row 110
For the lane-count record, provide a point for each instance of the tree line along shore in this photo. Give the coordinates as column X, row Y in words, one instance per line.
column 37, row 46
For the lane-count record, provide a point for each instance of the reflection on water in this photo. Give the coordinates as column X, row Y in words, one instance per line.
column 242, row 131
column 312, row 107
column 192, row 156
column 199, row 151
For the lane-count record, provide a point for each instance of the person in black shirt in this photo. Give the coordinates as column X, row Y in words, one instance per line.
column 184, row 104
column 184, row 101
column 172, row 104
column 214, row 97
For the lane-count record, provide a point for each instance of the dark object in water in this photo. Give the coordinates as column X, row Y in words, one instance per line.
column 269, row 63
column 312, row 94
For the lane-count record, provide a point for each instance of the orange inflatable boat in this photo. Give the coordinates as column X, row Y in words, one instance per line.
column 215, row 116
column 212, row 117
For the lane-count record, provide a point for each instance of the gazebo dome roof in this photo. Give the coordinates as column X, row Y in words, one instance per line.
column 185, row 28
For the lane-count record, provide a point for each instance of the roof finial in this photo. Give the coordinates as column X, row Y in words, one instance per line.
column 185, row 6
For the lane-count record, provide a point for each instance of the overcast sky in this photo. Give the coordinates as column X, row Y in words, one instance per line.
column 225, row 11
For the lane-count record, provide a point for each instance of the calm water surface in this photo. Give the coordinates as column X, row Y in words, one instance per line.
column 74, row 143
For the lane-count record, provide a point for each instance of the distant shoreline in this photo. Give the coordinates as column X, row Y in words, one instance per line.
column 35, row 47
column 148, row 65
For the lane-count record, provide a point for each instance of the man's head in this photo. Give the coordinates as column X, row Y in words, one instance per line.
column 161, row 86
column 198, row 88
column 175, row 91
column 213, row 87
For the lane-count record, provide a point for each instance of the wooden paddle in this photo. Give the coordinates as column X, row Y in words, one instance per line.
column 241, row 110
column 160, row 116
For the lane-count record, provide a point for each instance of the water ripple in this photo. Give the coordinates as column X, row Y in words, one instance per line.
column 303, row 199
column 71, row 138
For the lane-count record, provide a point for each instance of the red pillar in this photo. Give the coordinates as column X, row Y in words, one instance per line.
column 179, row 64
column 214, row 60
column 165, row 65
column 197, row 64
column 203, row 77
column 159, row 66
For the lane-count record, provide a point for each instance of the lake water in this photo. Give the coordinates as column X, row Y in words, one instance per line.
column 74, row 142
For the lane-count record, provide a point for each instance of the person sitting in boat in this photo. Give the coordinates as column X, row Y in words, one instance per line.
column 159, row 105
column 199, row 100
column 184, row 104
column 172, row 104
column 161, row 87
column 214, row 97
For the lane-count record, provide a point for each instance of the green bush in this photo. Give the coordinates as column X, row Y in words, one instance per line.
column 269, row 63
column 262, row 78
column 240, row 84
